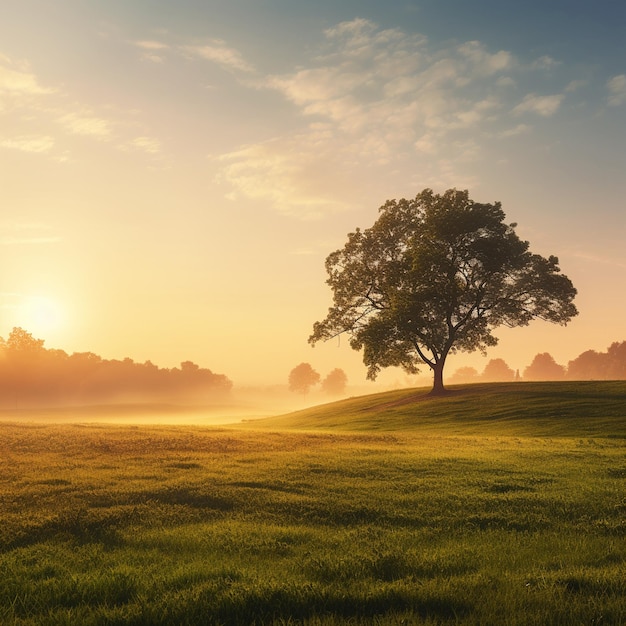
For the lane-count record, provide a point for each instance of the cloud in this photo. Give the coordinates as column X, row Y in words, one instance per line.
column 215, row 50
column 617, row 90
column 575, row 85
column 545, row 63
column 541, row 105
column 17, row 79
column 384, row 77
column 295, row 180
column 29, row 143
column 151, row 45
column 86, row 124
column 152, row 50
column 505, row 81
column 391, row 85
column 19, row 87
column 146, row 144
column 218, row 52
column 483, row 61
column 520, row 129
column 41, row 118
column 371, row 98
column 375, row 102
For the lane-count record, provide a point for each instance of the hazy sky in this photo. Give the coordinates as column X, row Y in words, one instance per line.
column 173, row 174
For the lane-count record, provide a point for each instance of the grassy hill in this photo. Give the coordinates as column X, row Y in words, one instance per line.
column 544, row 409
column 499, row 504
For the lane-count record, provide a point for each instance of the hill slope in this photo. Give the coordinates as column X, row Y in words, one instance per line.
column 546, row 409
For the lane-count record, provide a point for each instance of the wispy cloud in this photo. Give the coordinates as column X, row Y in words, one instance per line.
column 151, row 45
column 540, row 105
column 214, row 50
column 218, row 52
column 545, row 63
column 86, row 124
column 617, row 90
column 152, row 50
column 520, row 129
column 30, row 108
column 374, row 97
column 293, row 179
column 575, row 85
column 145, row 144
column 29, row 143
column 18, row 79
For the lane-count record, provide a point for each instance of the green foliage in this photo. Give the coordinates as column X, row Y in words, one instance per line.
column 192, row 526
column 435, row 275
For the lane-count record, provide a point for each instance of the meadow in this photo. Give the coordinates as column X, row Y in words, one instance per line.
column 496, row 505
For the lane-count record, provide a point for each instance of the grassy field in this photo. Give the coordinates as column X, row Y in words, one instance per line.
column 388, row 509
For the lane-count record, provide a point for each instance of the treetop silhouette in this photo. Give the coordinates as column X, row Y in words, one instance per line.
column 31, row 375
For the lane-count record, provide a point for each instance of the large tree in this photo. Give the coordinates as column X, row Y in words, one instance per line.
column 435, row 275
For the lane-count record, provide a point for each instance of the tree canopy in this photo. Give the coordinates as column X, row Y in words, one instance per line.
column 335, row 382
column 435, row 275
column 302, row 378
column 498, row 371
column 544, row 367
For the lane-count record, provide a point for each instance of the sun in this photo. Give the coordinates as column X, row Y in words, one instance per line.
column 41, row 315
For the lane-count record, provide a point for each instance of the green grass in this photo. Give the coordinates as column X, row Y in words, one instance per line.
column 571, row 409
column 437, row 524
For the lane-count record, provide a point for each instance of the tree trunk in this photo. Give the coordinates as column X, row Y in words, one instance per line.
column 438, row 388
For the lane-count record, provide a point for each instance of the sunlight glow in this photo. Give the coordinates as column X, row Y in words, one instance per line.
column 40, row 315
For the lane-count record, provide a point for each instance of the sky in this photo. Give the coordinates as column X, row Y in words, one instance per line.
column 174, row 174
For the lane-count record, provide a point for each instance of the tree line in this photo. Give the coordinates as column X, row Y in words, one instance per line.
column 31, row 375
column 303, row 377
column 589, row 365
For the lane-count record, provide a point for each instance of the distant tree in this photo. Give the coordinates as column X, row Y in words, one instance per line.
column 22, row 366
column 498, row 371
column 616, row 356
column 590, row 365
column 464, row 375
column 21, row 343
column 544, row 367
column 335, row 383
column 302, row 378
column 436, row 275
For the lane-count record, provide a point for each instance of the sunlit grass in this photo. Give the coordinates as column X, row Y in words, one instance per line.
column 581, row 408
column 186, row 525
